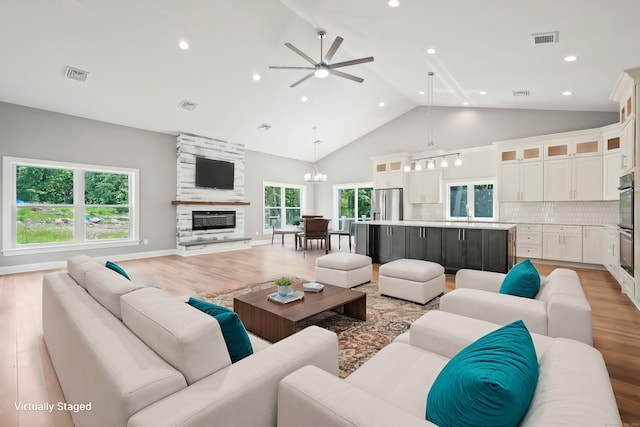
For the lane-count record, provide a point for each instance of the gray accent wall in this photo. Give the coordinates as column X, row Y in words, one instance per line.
column 453, row 129
column 38, row 134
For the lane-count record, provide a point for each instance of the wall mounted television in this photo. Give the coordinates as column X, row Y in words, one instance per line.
column 216, row 174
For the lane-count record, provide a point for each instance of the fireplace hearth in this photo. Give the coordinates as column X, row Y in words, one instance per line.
column 212, row 220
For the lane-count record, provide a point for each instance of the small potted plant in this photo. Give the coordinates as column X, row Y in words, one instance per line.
column 283, row 284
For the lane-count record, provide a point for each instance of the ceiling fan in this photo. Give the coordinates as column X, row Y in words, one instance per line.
column 323, row 68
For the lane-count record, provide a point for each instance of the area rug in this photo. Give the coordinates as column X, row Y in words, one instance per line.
column 358, row 340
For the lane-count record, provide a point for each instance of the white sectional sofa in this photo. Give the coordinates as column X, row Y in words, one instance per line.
column 560, row 309
column 391, row 389
column 141, row 357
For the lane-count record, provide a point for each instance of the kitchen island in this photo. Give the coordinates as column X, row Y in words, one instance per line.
column 488, row 246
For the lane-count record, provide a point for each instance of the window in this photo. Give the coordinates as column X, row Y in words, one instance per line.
column 352, row 202
column 471, row 200
column 282, row 201
column 58, row 206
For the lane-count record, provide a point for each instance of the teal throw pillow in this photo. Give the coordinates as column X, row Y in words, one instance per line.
column 235, row 335
column 115, row 267
column 489, row 383
column 522, row 280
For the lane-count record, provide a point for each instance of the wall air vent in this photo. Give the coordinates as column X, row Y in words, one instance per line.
column 545, row 38
column 265, row 127
column 187, row 105
column 76, row 74
column 521, row 93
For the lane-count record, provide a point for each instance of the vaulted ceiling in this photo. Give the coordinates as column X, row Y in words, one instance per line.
column 138, row 75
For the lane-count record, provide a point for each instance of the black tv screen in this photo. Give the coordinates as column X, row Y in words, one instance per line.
column 214, row 174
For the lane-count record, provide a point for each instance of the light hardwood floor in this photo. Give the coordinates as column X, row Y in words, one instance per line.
column 26, row 374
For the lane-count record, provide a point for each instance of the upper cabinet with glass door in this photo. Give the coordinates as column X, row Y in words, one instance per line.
column 526, row 153
column 587, row 144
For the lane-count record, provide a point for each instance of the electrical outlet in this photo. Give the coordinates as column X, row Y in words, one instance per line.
column 145, row 242
column 256, row 233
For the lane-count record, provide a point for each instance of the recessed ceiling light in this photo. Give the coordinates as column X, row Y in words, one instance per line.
column 393, row 3
column 431, row 51
column 570, row 58
column 256, row 77
column 567, row 93
column 304, row 99
column 421, row 92
column 465, row 103
column 483, row 92
column 381, row 104
column 183, row 45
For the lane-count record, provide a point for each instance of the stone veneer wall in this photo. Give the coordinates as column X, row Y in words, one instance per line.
column 190, row 147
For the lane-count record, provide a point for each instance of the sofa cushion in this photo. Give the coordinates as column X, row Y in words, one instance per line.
column 77, row 267
column 522, row 280
column 106, row 286
column 187, row 339
column 235, row 335
column 490, row 382
column 115, row 267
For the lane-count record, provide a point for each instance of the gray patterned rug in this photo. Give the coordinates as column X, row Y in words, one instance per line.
column 358, row 340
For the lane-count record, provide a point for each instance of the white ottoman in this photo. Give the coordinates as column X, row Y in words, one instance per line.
column 343, row 269
column 412, row 280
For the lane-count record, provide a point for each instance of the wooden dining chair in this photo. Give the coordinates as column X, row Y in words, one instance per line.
column 316, row 229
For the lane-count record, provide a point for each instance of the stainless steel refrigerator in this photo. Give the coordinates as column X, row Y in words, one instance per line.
column 386, row 204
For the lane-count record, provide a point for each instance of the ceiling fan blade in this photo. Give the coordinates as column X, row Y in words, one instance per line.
column 352, row 62
column 346, row 76
column 301, row 53
column 278, row 67
column 301, row 80
column 332, row 50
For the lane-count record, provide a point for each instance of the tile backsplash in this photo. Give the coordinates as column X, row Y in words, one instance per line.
column 560, row 212
column 537, row 212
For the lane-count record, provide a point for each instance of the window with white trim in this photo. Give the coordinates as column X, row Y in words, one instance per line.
column 281, row 201
column 474, row 201
column 50, row 206
column 352, row 202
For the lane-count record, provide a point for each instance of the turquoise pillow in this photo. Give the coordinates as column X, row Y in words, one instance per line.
column 115, row 267
column 522, row 280
column 489, row 383
column 235, row 335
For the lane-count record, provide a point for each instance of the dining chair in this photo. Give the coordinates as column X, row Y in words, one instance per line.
column 315, row 229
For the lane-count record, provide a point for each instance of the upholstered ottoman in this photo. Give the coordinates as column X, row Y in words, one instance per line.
column 411, row 279
column 343, row 269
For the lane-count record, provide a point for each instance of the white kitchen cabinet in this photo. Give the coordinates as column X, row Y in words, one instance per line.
column 611, row 255
column 627, row 150
column 529, row 153
column 388, row 171
column 593, row 244
column 521, row 182
column 562, row 242
column 575, row 147
column 388, row 180
column 424, row 186
column 611, row 176
column 529, row 241
column 573, row 179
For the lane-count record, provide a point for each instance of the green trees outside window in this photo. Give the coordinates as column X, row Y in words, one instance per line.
column 471, row 201
column 282, row 201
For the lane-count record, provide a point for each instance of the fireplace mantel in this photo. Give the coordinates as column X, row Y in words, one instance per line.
column 200, row 202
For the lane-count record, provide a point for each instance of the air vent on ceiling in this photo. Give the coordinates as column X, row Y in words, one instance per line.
column 521, row 93
column 545, row 38
column 187, row 105
column 76, row 74
column 265, row 127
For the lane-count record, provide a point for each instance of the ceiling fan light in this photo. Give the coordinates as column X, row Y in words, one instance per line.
column 321, row 73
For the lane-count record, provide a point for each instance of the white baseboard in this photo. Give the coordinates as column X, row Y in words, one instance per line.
column 25, row 268
column 260, row 242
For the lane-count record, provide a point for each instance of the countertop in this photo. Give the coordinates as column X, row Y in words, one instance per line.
column 446, row 224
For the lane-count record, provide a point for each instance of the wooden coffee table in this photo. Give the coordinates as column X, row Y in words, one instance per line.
column 274, row 321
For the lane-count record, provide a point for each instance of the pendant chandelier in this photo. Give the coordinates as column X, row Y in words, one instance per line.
column 431, row 161
column 314, row 176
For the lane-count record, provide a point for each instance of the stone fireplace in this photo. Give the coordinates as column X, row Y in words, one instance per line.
column 212, row 220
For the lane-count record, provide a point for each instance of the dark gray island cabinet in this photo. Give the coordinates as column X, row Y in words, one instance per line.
column 478, row 246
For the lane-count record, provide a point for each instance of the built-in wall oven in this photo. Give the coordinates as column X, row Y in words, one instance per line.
column 625, row 222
